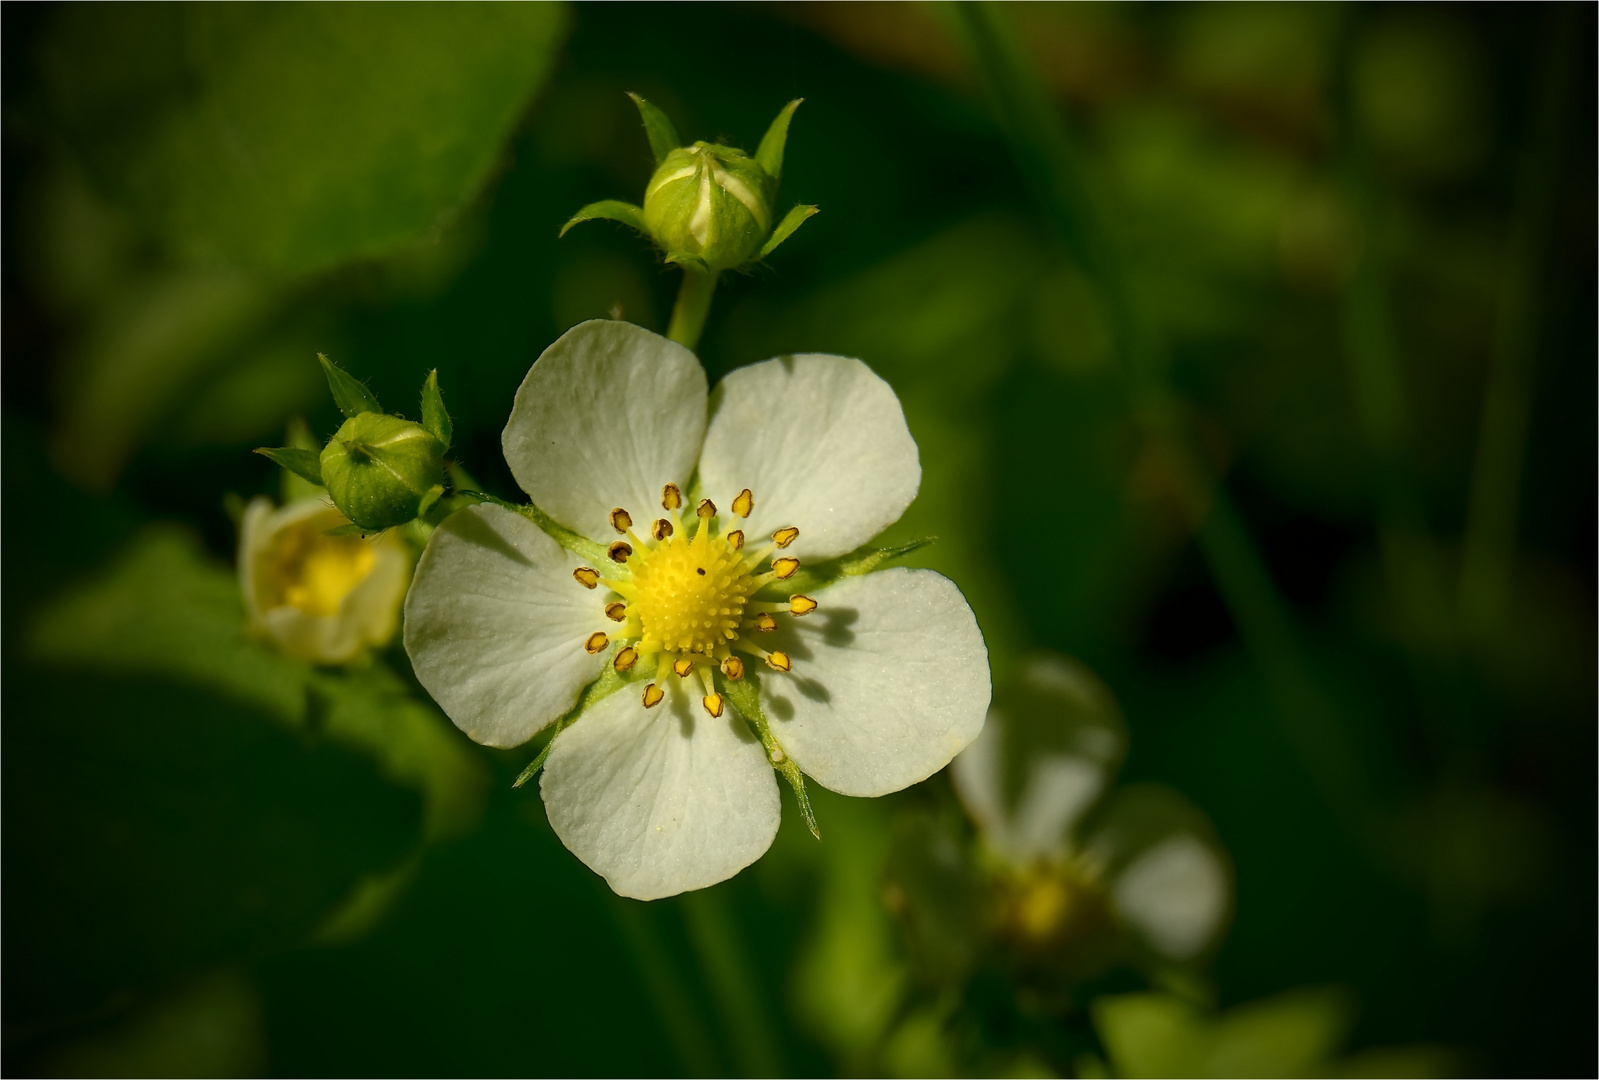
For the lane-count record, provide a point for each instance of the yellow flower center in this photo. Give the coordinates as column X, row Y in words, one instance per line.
column 688, row 598
column 309, row 570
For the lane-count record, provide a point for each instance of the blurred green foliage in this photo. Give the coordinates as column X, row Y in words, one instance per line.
column 1249, row 353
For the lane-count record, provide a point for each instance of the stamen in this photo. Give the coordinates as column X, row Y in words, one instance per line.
column 786, row 536
column 778, row 661
column 713, row 704
column 619, row 551
column 621, row 520
column 616, row 612
column 652, row 695
column 733, row 668
column 596, row 642
column 785, row 567
column 763, row 624
column 801, row 605
column 682, row 667
column 625, row 659
column 735, row 539
column 744, row 503
column 587, row 576
column 661, row 529
column 706, row 509
column 671, row 497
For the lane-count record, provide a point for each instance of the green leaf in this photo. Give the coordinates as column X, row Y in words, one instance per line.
column 306, row 464
column 610, row 210
column 657, row 127
column 349, row 393
column 293, row 138
column 434, row 416
column 769, row 155
column 785, row 228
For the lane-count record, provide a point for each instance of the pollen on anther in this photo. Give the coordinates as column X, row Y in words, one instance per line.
column 744, row 503
column 786, row 536
column 779, row 661
column 661, row 529
column 765, row 624
column 587, row 576
column 733, row 668
column 621, row 520
column 596, row 642
column 735, row 539
column 801, row 605
column 616, row 612
column 682, row 667
column 671, row 497
column 619, row 551
column 625, row 659
column 712, row 703
column 706, row 509
column 785, row 567
column 653, row 695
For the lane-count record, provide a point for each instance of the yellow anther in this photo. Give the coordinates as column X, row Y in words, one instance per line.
column 587, row 576
column 712, row 703
column 744, row 503
column 764, row 623
column 706, row 509
column 671, row 497
column 779, row 661
column 625, row 659
column 785, row 567
column 786, row 536
column 661, row 529
column 735, row 539
column 596, row 642
column 653, row 695
column 733, row 668
column 682, row 667
column 621, row 520
column 616, row 612
column 619, row 551
column 801, row 605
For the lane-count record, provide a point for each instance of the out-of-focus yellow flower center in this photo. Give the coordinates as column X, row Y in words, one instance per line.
column 1042, row 908
column 314, row 572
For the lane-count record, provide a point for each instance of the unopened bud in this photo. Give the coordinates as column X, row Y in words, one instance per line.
column 381, row 470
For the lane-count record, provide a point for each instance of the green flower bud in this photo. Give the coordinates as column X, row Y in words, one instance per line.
column 714, row 202
column 382, row 471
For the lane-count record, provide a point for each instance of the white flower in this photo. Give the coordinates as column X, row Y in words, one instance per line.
column 322, row 598
column 869, row 684
column 1037, row 784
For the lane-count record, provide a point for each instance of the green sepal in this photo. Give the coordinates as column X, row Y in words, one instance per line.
column 578, row 545
column 610, row 210
column 349, row 529
column 785, row 228
column 688, row 262
column 432, row 496
column 306, row 464
column 769, row 155
column 349, row 393
column 657, row 128
column 609, row 682
column 745, row 696
column 862, row 560
column 434, row 416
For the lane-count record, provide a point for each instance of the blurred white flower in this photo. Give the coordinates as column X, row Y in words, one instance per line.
column 322, row 598
column 1083, row 859
column 870, row 682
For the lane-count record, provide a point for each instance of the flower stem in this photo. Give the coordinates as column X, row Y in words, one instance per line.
column 693, row 305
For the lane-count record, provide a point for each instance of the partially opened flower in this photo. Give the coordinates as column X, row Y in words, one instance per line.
column 1086, row 870
column 322, row 598
column 649, row 600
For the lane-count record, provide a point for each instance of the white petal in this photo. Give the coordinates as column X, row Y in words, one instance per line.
column 821, row 442
column 1176, row 895
column 663, row 800
column 609, row 415
column 495, row 625
column 890, row 681
column 1053, row 741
